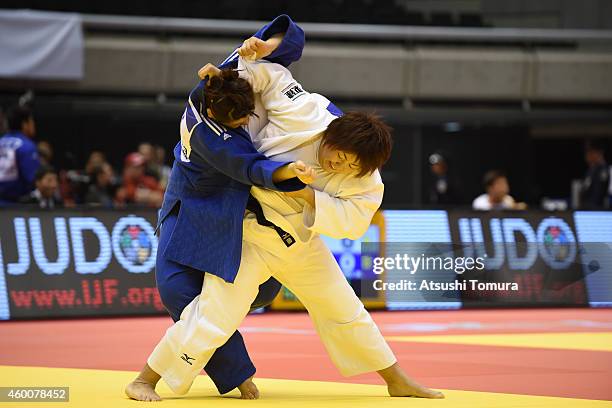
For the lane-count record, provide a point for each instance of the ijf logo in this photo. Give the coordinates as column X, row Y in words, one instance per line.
column 558, row 242
column 134, row 244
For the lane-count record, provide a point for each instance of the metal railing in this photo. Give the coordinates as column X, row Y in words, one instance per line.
column 347, row 31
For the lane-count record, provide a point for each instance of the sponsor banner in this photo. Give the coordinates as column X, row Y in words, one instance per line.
column 100, row 262
column 70, row 263
column 454, row 259
column 532, row 258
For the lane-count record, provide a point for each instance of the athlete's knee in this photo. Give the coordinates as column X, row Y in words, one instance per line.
column 267, row 292
column 172, row 301
column 175, row 297
column 342, row 311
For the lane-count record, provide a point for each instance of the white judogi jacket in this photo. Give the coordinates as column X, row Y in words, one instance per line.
column 290, row 126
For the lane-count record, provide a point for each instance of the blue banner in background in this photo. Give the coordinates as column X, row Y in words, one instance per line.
column 421, row 229
column 5, row 313
column 594, row 230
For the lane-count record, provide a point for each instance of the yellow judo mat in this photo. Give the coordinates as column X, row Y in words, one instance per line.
column 598, row 341
column 104, row 389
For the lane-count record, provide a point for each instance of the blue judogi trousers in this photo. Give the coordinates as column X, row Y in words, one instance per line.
column 178, row 285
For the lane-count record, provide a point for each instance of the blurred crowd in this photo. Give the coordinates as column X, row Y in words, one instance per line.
column 28, row 177
column 594, row 191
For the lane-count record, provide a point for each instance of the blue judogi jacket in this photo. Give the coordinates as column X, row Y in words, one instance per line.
column 18, row 164
column 213, row 171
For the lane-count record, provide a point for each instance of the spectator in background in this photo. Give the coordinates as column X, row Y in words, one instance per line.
column 445, row 189
column 148, row 154
column 74, row 183
column 45, row 153
column 497, row 194
column 594, row 194
column 137, row 187
column 164, row 169
column 18, row 155
column 101, row 191
column 95, row 159
column 46, row 194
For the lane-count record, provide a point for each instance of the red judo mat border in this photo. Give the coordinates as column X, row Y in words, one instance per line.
column 285, row 345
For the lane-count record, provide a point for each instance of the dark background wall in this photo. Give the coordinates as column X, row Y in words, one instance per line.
column 114, row 120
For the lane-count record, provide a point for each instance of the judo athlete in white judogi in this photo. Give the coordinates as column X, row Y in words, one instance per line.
column 296, row 125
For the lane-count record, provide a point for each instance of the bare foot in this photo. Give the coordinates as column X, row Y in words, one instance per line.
column 410, row 388
column 400, row 384
column 248, row 389
column 141, row 391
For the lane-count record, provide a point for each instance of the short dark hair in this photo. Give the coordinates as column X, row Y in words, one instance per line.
column 16, row 116
column 228, row 96
column 43, row 171
column 491, row 177
column 363, row 134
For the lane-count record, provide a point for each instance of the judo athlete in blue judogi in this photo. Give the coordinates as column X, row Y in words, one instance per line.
column 19, row 159
column 200, row 221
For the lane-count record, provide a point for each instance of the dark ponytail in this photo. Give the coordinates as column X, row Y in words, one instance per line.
column 228, row 96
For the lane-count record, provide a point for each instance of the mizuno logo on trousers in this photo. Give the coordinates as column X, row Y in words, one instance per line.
column 186, row 358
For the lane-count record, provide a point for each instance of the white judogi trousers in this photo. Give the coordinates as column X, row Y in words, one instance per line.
column 310, row 271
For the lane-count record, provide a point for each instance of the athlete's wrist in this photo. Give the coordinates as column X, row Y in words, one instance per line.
column 283, row 173
column 273, row 43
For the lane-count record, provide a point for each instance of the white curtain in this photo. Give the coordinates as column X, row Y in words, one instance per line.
column 40, row 45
